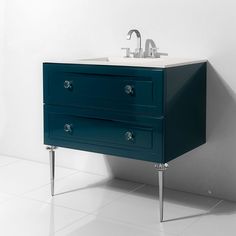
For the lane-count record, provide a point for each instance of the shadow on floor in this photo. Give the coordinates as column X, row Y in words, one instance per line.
column 183, row 199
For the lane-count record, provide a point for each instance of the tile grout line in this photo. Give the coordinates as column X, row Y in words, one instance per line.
column 147, row 228
column 46, row 163
column 132, row 224
column 75, row 221
column 117, row 198
column 41, row 186
column 61, row 178
column 58, row 205
column 44, row 185
column 10, row 197
column 8, row 164
column 54, row 204
column 93, row 213
column 117, row 221
column 50, row 204
column 199, row 218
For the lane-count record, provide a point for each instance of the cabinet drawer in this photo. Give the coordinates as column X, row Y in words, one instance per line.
column 104, row 133
column 130, row 90
column 96, row 131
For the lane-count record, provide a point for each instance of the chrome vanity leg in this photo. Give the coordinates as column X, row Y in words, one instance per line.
column 52, row 166
column 161, row 168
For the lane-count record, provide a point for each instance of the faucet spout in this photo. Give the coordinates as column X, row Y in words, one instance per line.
column 150, row 51
column 138, row 50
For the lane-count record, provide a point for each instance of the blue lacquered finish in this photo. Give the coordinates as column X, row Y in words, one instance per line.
column 105, row 87
column 147, row 114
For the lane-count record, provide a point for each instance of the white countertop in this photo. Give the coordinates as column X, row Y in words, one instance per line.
column 163, row 62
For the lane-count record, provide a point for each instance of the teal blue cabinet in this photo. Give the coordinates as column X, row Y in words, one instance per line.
column 148, row 114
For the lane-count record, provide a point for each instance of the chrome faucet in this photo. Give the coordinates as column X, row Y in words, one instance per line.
column 150, row 49
column 138, row 51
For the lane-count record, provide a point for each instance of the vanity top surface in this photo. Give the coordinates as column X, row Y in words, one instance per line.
column 162, row 62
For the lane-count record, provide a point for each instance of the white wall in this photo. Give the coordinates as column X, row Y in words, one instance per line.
column 2, row 36
column 37, row 31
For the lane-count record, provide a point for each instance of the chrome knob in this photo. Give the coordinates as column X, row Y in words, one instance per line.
column 68, row 84
column 68, row 128
column 129, row 89
column 129, row 136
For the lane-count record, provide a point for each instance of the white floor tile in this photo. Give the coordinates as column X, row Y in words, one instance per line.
column 93, row 226
column 5, row 160
column 5, row 197
column 84, row 191
column 24, row 176
column 25, row 217
column 117, row 207
column 142, row 208
column 219, row 222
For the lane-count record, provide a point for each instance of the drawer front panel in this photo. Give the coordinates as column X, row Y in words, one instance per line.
column 95, row 88
column 117, row 138
column 99, row 131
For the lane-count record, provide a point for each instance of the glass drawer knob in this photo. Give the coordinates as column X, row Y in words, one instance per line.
column 129, row 136
column 68, row 84
column 68, row 128
column 129, row 89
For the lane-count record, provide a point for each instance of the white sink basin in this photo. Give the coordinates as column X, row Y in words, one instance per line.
column 125, row 60
column 161, row 62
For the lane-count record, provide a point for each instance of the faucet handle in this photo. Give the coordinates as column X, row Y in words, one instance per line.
column 153, row 52
column 127, row 52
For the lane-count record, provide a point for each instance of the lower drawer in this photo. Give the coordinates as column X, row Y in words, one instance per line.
column 103, row 136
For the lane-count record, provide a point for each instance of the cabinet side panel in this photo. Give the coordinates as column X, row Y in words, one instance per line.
column 185, row 111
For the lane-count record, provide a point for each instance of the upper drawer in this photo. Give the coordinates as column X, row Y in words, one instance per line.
column 129, row 89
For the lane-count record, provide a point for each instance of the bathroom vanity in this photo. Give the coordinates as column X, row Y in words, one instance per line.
column 145, row 109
